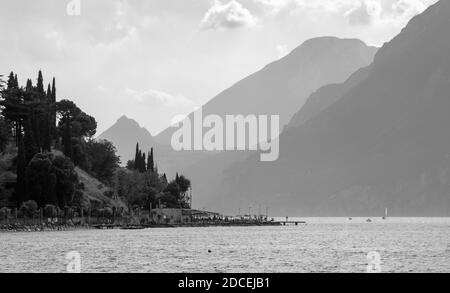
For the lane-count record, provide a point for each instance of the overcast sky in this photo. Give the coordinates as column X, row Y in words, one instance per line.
column 154, row 59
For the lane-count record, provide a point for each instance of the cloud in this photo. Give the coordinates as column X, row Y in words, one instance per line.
column 274, row 6
column 227, row 16
column 357, row 12
column 364, row 13
column 155, row 98
column 282, row 51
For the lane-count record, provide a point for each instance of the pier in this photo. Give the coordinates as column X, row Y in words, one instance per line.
column 286, row 223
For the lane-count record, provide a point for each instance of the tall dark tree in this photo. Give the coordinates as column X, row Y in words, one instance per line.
column 150, row 162
column 143, row 164
column 139, row 161
column 20, row 190
column 4, row 134
column 52, row 102
column 46, row 131
column 67, row 140
column 73, row 124
column 103, row 159
column 14, row 109
column 136, row 157
column 40, row 85
column 31, row 148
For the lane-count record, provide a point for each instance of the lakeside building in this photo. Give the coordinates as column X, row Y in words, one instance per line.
column 181, row 216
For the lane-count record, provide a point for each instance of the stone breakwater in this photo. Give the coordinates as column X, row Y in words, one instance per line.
column 40, row 228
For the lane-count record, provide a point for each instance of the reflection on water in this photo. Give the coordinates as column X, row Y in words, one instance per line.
column 322, row 245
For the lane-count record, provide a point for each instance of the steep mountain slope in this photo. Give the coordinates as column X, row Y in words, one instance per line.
column 282, row 87
column 384, row 143
column 325, row 97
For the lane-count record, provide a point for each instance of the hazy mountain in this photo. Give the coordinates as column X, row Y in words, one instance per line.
column 283, row 86
column 126, row 132
column 384, row 142
column 325, row 97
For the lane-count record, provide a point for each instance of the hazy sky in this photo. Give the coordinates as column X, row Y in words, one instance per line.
column 154, row 59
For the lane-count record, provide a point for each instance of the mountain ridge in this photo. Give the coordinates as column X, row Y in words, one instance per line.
column 313, row 64
column 384, row 143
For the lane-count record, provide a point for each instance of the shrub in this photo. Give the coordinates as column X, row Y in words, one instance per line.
column 29, row 209
column 50, row 211
column 4, row 213
column 108, row 212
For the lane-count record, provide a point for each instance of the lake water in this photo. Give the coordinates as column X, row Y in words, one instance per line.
column 321, row 245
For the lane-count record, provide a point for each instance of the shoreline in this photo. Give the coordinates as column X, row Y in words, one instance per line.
column 37, row 228
column 68, row 228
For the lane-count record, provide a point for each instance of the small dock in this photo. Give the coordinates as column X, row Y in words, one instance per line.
column 287, row 223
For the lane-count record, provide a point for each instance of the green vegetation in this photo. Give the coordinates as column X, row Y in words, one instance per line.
column 142, row 186
column 50, row 161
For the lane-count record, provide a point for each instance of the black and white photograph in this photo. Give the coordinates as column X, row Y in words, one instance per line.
column 243, row 137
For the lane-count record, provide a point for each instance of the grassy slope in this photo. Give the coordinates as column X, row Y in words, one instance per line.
column 94, row 190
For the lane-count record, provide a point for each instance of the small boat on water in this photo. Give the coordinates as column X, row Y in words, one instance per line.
column 385, row 214
column 369, row 221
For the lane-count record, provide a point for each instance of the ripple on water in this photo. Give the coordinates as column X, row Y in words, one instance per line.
column 416, row 245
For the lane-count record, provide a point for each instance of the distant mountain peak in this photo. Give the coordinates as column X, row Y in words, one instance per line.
column 129, row 123
column 378, row 140
column 283, row 86
column 124, row 134
column 123, row 118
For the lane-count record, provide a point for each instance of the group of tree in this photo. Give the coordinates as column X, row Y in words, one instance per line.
column 3, row 124
column 141, row 163
column 40, row 126
column 142, row 186
column 52, row 138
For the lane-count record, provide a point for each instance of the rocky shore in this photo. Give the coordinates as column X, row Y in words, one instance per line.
column 11, row 228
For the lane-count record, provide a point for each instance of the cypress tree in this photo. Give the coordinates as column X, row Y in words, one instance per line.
column 67, row 140
column 49, row 93
column 29, row 86
column 14, row 109
column 30, row 146
column 139, row 160
column 136, row 157
column 52, row 115
column 150, row 162
column 20, row 190
column 47, row 139
column 40, row 85
column 10, row 83
column 143, row 168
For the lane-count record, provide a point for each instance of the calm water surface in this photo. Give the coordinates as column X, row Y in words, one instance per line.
column 322, row 245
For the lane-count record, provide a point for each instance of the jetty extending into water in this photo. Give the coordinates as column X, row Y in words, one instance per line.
column 190, row 225
column 287, row 223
